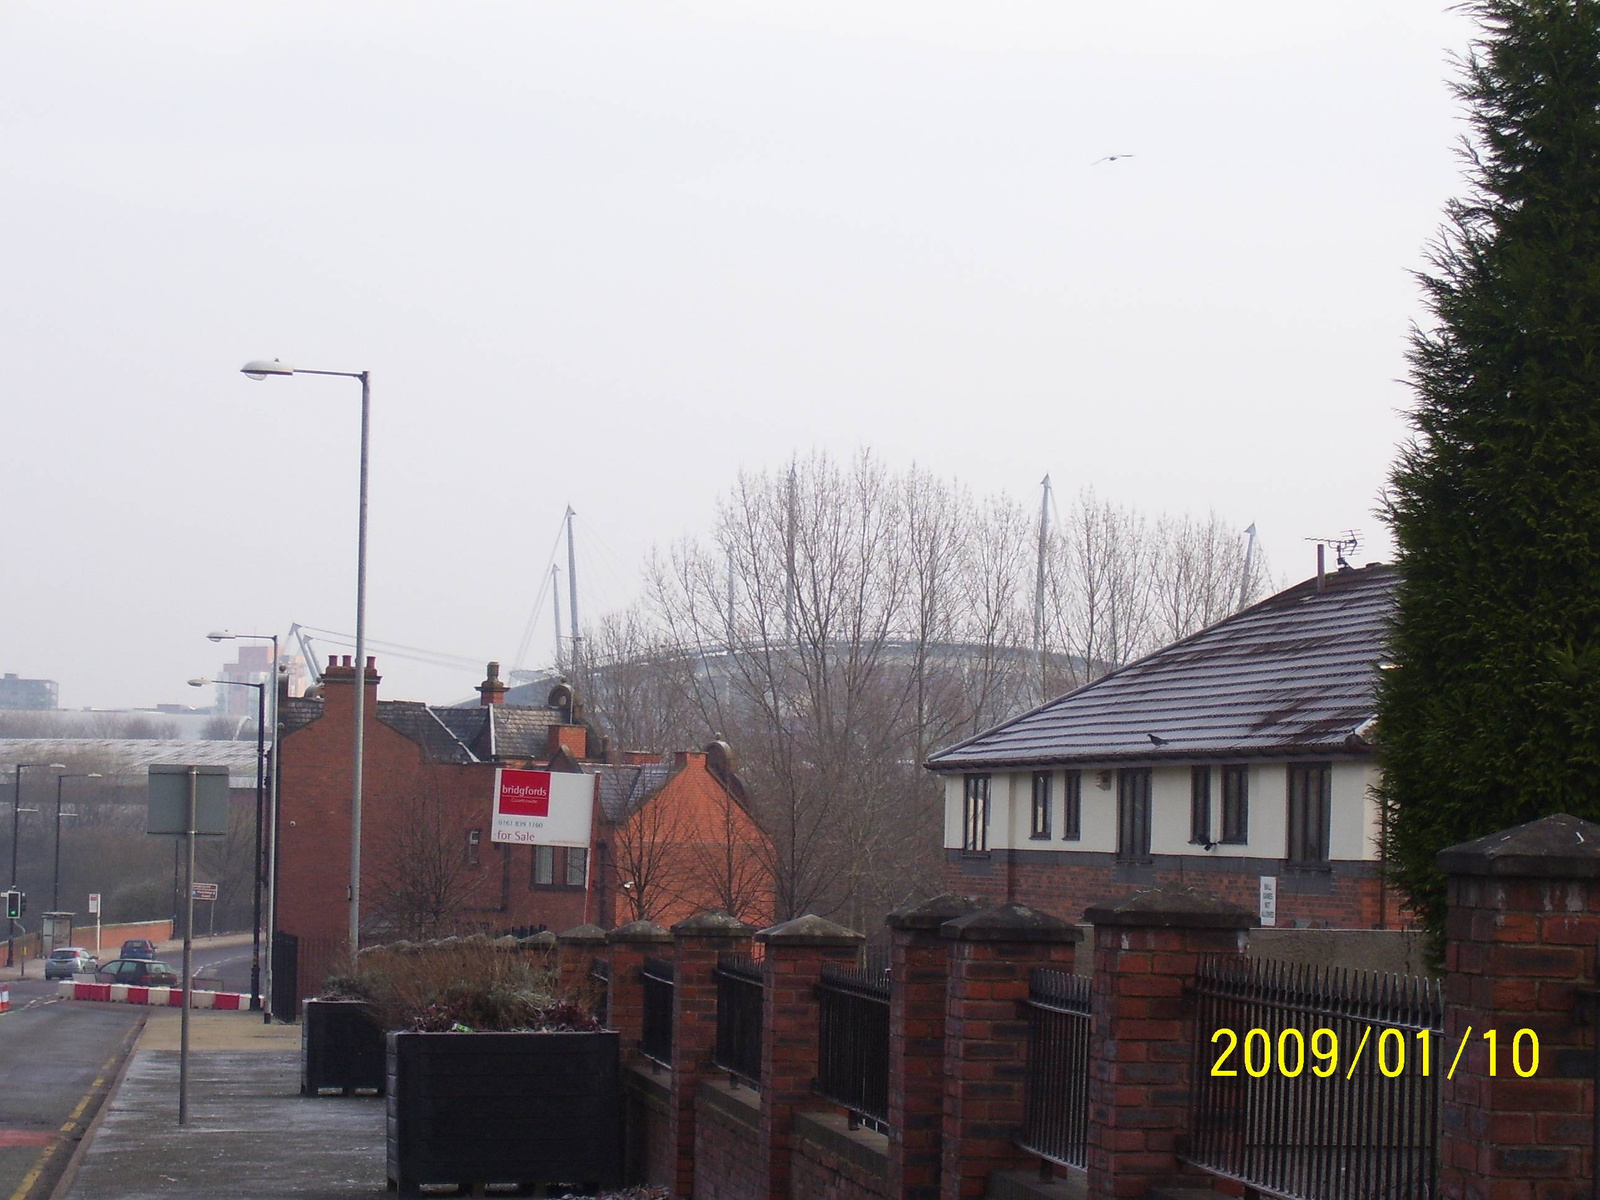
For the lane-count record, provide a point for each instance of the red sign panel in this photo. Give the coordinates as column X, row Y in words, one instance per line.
column 524, row 794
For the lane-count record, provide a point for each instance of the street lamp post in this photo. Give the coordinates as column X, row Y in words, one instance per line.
column 16, row 833
column 55, row 875
column 261, row 874
column 261, row 716
column 261, row 369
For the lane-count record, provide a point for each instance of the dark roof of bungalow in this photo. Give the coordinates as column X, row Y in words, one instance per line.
column 1292, row 675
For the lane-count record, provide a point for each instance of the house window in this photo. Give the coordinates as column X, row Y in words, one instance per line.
column 975, row 815
column 474, row 838
column 1071, row 806
column 1133, row 813
column 1041, row 804
column 1235, row 805
column 577, row 866
column 544, row 865
column 1200, row 806
column 1310, row 785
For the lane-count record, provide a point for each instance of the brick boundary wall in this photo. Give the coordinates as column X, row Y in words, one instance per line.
column 1141, row 1049
column 992, row 953
column 1522, row 924
column 830, row 1161
column 647, row 1147
column 727, row 1143
column 796, row 952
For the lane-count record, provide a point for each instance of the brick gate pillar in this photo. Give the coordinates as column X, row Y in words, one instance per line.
column 1522, row 924
column 629, row 946
column 796, row 952
column 1141, row 1045
column 697, row 943
column 992, row 953
column 577, row 948
column 919, row 975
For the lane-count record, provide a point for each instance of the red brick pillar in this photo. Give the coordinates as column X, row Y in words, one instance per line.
column 1523, row 917
column 577, row 948
column 919, row 975
column 1141, row 1046
column 629, row 946
column 698, row 942
column 796, row 953
column 992, row 953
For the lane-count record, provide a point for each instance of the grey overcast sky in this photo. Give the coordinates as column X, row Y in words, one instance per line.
column 606, row 254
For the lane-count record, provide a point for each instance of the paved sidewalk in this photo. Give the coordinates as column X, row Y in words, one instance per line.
column 250, row 1132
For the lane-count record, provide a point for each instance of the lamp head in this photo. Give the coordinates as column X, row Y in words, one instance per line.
column 260, row 368
column 219, row 635
column 201, row 682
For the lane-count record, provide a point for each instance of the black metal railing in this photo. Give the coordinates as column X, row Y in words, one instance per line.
column 739, row 996
column 1317, row 1083
column 1055, row 1123
column 600, row 988
column 655, row 1043
column 853, row 1040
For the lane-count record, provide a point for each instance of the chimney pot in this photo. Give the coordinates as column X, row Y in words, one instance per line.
column 333, row 660
column 347, row 660
column 372, row 662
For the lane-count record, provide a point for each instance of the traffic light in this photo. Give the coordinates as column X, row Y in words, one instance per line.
column 15, row 902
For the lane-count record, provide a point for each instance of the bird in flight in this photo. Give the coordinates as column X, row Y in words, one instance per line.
column 1109, row 158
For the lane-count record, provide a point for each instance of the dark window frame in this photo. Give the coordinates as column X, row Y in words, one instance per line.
column 1072, row 806
column 1134, row 814
column 1235, row 805
column 1042, row 801
column 576, row 855
column 540, row 852
column 1308, row 796
column 975, row 815
column 1200, row 806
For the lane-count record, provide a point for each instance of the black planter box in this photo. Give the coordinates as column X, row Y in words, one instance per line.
column 341, row 1048
column 503, row 1108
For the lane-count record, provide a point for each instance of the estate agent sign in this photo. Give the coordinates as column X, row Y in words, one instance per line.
column 544, row 808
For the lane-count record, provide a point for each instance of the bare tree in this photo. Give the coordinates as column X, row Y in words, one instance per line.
column 427, row 874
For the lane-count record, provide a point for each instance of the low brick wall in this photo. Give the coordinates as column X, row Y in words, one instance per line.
column 646, row 1137
column 727, row 1143
column 831, row 1161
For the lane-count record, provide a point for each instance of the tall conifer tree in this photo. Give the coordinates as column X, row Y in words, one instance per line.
column 1491, row 716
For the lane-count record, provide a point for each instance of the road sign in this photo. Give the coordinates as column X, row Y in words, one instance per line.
column 205, row 891
column 94, row 902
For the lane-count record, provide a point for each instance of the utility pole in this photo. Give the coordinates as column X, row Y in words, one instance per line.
column 1249, row 565
column 1038, row 589
column 572, row 596
column 788, row 554
column 555, row 599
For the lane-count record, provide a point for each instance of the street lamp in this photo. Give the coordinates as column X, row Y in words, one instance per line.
column 16, row 831
column 55, row 876
column 255, row 933
column 262, row 876
column 261, row 369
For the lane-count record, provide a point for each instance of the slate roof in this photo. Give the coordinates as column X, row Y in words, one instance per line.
column 1291, row 675
column 624, row 787
column 456, row 735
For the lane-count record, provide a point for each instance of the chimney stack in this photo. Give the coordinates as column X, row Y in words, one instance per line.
column 491, row 690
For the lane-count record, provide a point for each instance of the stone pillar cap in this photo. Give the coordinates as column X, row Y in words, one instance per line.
column 1011, row 923
column 542, row 941
column 711, row 924
column 1171, row 908
column 639, row 931
column 810, row 930
column 1556, row 847
column 582, row 935
column 931, row 914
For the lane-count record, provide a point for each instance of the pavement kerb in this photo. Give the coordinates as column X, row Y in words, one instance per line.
column 68, row 1172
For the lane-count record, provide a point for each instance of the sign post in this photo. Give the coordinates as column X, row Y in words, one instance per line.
column 94, row 907
column 192, row 801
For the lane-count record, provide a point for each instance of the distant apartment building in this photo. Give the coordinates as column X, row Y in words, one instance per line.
column 254, row 665
column 37, row 695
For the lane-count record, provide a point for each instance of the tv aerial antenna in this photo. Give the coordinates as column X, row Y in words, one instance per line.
column 1345, row 544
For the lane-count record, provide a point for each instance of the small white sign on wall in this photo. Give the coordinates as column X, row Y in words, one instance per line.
column 1269, row 900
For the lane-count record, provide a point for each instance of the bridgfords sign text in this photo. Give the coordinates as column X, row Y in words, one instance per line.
column 544, row 808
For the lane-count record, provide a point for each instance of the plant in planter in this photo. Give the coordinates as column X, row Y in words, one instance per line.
column 493, row 1077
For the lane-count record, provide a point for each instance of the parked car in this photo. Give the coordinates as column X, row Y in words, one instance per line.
column 66, row 961
column 139, row 972
column 138, row 948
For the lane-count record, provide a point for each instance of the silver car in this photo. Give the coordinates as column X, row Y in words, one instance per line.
column 66, row 961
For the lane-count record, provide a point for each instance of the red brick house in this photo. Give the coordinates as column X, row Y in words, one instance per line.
column 1239, row 759
column 662, row 825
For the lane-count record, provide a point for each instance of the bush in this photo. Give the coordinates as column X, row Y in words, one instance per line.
column 463, row 984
